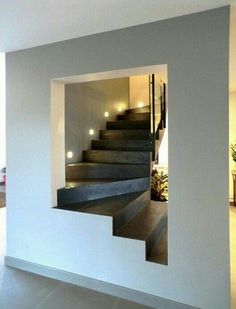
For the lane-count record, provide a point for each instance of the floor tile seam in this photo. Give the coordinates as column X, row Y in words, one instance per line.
column 48, row 295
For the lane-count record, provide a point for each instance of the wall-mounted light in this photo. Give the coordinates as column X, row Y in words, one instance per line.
column 140, row 104
column 106, row 114
column 91, row 131
column 69, row 154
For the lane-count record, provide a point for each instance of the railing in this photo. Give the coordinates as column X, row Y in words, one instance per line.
column 157, row 102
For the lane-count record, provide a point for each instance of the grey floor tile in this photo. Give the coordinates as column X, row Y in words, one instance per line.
column 124, row 304
column 23, row 290
column 68, row 296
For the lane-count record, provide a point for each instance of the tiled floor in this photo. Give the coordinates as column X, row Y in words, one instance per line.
column 24, row 290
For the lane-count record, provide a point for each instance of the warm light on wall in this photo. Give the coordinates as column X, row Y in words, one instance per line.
column 91, row 132
column 70, row 154
column 140, row 104
column 106, row 114
column 119, row 109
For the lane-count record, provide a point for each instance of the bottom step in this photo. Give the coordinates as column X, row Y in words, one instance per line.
column 87, row 190
column 148, row 225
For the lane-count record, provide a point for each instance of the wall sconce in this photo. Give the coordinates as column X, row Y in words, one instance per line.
column 140, row 104
column 91, row 132
column 106, row 114
column 70, row 154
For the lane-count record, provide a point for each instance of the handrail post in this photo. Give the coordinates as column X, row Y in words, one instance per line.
column 153, row 119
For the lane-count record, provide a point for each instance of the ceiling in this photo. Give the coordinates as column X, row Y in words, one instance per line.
column 29, row 23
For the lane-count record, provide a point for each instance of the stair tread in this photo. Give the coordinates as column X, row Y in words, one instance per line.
column 109, row 206
column 102, row 164
column 159, row 253
column 141, row 226
column 86, row 181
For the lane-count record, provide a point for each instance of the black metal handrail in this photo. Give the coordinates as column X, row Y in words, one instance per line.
column 162, row 122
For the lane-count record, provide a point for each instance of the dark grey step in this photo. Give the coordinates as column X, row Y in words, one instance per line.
column 122, row 208
column 144, row 109
column 125, row 134
column 93, row 191
column 159, row 253
column 115, row 156
column 148, row 225
column 106, row 170
column 134, row 116
column 132, row 145
column 126, row 124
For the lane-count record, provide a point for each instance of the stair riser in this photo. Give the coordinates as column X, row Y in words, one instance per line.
column 131, row 211
column 126, row 157
column 125, row 134
column 145, row 109
column 156, row 235
column 142, row 145
column 119, row 125
column 108, row 171
column 133, row 116
column 102, row 190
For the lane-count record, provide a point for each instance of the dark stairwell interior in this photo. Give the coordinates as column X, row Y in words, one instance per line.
column 113, row 179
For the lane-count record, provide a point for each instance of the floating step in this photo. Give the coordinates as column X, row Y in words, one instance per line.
column 122, row 208
column 87, row 191
column 144, row 109
column 159, row 253
column 115, row 156
column 134, row 116
column 132, row 145
column 148, row 225
column 125, row 134
column 126, row 124
column 91, row 170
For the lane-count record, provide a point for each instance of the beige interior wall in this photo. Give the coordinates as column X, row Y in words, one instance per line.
column 85, row 106
column 139, row 90
column 232, row 137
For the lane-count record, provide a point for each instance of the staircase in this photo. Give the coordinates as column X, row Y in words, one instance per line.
column 114, row 180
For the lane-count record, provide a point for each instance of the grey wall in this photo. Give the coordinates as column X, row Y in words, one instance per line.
column 85, row 105
column 195, row 47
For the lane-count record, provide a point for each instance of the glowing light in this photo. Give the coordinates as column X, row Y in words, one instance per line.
column 119, row 109
column 70, row 154
column 106, row 114
column 140, row 104
column 91, row 132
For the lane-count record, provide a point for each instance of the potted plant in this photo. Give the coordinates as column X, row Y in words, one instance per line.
column 3, row 171
column 159, row 185
column 233, row 151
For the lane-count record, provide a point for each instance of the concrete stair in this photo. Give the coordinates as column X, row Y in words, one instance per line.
column 123, row 145
column 148, row 225
column 127, row 124
column 80, row 191
column 134, row 116
column 125, row 134
column 133, row 217
column 116, row 156
column 114, row 180
column 89, row 170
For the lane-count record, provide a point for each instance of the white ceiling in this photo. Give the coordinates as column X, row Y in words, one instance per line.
column 28, row 23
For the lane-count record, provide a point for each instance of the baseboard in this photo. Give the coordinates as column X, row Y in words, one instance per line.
column 97, row 285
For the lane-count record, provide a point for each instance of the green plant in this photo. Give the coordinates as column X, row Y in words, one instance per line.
column 159, row 186
column 233, row 151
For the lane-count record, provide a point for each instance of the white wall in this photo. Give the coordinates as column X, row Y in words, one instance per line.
column 198, row 270
column 85, row 105
column 2, row 113
column 232, row 137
